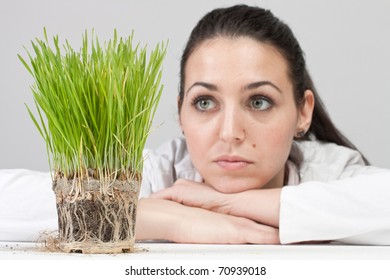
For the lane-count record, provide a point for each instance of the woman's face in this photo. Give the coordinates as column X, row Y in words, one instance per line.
column 238, row 114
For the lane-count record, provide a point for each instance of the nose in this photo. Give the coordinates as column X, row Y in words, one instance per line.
column 231, row 125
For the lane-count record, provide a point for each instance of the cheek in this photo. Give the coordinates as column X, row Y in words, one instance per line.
column 285, row 124
column 280, row 142
column 279, row 134
column 195, row 140
column 273, row 140
column 278, row 125
column 199, row 135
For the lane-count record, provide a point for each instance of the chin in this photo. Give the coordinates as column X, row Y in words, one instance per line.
column 233, row 185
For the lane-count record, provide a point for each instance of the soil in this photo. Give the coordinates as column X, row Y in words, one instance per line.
column 96, row 219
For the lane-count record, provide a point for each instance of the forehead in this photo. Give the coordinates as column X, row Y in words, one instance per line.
column 232, row 58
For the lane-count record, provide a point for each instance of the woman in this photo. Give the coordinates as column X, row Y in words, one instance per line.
column 261, row 161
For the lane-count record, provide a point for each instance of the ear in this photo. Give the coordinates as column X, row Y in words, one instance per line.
column 306, row 111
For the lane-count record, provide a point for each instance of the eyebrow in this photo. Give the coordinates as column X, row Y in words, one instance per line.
column 247, row 87
column 205, row 85
column 262, row 83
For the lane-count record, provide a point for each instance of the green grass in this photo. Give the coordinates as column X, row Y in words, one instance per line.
column 95, row 106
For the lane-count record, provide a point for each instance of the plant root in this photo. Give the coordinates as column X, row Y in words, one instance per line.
column 95, row 222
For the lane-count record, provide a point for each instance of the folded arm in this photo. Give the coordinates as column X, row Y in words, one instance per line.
column 159, row 219
column 261, row 206
column 353, row 210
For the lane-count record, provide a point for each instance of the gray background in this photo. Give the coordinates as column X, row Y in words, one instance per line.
column 347, row 45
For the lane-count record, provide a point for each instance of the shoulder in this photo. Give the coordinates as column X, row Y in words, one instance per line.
column 174, row 149
column 164, row 165
column 324, row 161
column 172, row 153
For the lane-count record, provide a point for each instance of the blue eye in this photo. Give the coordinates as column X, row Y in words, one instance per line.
column 204, row 103
column 260, row 103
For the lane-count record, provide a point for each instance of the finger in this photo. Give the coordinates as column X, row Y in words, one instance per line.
column 163, row 194
column 177, row 190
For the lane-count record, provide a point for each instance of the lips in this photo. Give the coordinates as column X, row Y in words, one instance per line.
column 228, row 162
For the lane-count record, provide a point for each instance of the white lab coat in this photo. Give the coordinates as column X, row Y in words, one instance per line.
column 334, row 196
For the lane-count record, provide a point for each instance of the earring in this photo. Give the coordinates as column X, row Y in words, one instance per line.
column 301, row 133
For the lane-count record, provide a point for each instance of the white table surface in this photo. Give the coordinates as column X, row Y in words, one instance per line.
column 153, row 250
column 303, row 262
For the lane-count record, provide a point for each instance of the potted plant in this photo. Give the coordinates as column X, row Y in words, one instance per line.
column 95, row 108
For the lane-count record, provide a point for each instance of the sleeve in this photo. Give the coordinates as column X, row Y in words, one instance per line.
column 165, row 165
column 27, row 205
column 354, row 210
column 157, row 173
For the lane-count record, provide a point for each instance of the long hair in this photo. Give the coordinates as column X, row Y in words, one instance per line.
column 261, row 25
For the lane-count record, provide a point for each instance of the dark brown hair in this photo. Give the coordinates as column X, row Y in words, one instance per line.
column 263, row 26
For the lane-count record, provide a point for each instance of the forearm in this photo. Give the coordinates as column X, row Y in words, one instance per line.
column 159, row 219
column 262, row 206
column 152, row 223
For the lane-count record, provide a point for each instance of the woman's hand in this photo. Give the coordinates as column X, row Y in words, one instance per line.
column 258, row 205
column 196, row 194
column 167, row 220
